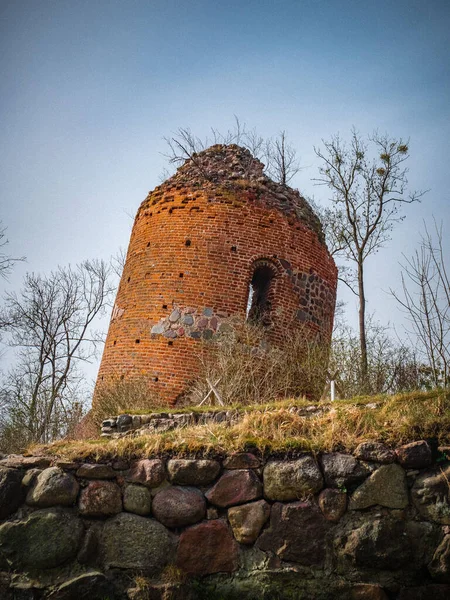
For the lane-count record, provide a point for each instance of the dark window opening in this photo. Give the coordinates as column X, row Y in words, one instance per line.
column 181, row 274
column 148, row 245
column 259, row 304
column 138, row 341
column 170, row 343
column 128, row 280
column 164, row 305
column 155, row 379
column 233, row 249
column 187, row 243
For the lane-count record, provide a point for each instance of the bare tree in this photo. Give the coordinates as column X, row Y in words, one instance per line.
column 6, row 262
column 50, row 324
column 393, row 365
column 118, row 262
column 279, row 156
column 426, row 299
column 282, row 162
column 368, row 183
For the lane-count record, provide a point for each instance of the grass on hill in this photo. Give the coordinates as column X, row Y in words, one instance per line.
column 273, row 429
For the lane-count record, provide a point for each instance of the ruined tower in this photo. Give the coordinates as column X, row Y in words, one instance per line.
column 217, row 239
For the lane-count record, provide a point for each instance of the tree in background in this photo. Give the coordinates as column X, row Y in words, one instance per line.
column 6, row 262
column 50, row 324
column 368, row 183
column 425, row 297
column 279, row 156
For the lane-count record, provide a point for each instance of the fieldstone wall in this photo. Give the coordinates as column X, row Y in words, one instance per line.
column 370, row 525
column 125, row 425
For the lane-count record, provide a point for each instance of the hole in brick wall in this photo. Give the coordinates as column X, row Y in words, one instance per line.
column 151, row 214
column 122, row 377
column 148, row 244
column 181, row 274
column 187, row 243
column 115, row 342
column 128, row 280
column 170, row 211
column 164, row 306
column 102, row 378
column 155, row 379
column 170, row 343
column 138, row 341
column 233, row 249
column 258, row 303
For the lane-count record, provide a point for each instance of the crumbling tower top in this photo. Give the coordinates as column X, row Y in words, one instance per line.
column 235, row 168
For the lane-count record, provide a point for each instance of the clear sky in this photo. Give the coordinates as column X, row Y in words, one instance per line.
column 90, row 87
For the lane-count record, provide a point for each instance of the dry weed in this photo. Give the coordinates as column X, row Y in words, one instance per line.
column 395, row 420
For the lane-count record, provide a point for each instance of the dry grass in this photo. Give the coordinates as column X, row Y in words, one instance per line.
column 116, row 395
column 270, row 430
column 250, row 371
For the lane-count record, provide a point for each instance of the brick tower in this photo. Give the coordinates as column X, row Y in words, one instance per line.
column 217, row 239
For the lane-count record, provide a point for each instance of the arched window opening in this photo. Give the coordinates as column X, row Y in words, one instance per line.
column 259, row 301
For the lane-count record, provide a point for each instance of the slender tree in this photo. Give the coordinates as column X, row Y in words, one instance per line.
column 368, row 182
column 281, row 156
column 425, row 297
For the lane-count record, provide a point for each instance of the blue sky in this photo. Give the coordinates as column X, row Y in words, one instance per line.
column 91, row 87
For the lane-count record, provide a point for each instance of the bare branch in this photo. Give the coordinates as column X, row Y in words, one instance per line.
column 368, row 184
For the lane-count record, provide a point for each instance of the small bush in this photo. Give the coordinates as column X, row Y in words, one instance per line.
column 248, row 370
column 119, row 395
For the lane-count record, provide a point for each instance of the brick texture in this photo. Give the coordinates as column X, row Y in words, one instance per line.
column 195, row 244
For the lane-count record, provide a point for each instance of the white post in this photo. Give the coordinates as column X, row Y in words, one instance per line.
column 332, row 390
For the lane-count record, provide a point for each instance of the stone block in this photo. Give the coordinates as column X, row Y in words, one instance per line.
column 53, row 487
column 416, row 455
column 100, row 499
column 342, row 470
column 192, row 472
column 148, row 472
column 177, row 506
column 247, row 520
column 130, row 541
column 296, row 533
column 386, row 486
column 207, row 548
column 137, row 499
column 286, row 480
column 235, row 487
column 45, row 539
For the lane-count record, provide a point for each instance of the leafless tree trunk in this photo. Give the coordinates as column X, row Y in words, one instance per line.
column 282, row 163
column 366, row 197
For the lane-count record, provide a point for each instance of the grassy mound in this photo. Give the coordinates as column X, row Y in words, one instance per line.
column 273, row 429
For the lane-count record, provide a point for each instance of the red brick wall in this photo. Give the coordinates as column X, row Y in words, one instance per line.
column 195, row 249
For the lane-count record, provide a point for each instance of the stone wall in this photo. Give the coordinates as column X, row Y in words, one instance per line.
column 372, row 525
column 195, row 244
column 125, row 425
